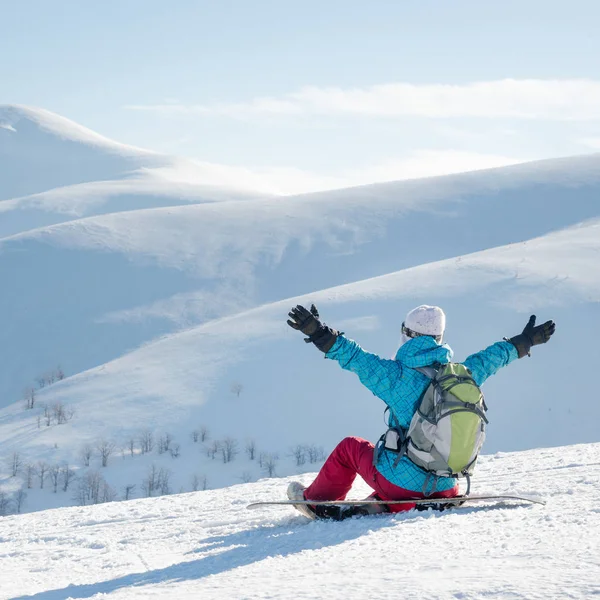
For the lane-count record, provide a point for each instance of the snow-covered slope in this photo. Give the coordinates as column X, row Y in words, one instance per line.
column 97, row 287
column 172, row 317
column 185, row 378
column 207, row 545
column 40, row 150
column 53, row 170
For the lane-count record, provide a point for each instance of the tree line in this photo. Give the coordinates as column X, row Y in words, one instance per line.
column 88, row 485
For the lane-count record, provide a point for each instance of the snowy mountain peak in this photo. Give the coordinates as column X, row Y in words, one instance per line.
column 54, row 170
column 40, row 150
column 26, row 120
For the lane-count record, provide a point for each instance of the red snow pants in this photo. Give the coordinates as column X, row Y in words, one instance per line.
column 354, row 456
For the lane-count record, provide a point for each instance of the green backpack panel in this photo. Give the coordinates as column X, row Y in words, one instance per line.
column 446, row 433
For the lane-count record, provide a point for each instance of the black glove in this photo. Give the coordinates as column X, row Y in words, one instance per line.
column 532, row 336
column 308, row 323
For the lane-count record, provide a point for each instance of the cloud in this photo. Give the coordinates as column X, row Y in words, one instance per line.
column 564, row 100
column 427, row 163
column 289, row 180
column 593, row 143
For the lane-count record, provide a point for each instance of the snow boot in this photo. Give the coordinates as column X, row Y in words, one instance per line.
column 295, row 491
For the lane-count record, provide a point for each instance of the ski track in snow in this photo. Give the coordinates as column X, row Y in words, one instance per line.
column 207, row 545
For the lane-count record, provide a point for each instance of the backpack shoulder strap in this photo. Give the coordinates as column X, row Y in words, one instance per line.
column 429, row 372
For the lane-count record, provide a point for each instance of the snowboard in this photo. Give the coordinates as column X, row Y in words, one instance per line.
column 344, row 507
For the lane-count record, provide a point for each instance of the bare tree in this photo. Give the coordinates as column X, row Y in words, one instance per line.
column 29, row 397
column 195, row 482
column 30, row 473
column 204, row 433
column 42, row 469
column 200, row 435
column 163, row 483
column 229, row 449
column 261, row 459
column 128, row 491
column 67, row 475
column 62, row 413
column 90, row 488
column 175, row 450
column 157, row 482
column 82, row 494
column 199, row 482
column 60, row 374
column 213, row 449
column 164, row 443
column 58, row 412
column 237, row 388
column 19, row 499
column 50, row 377
column 270, row 463
column 299, row 453
column 95, row 482
column 54, row 472
column 4, row 503
column 47, row 415
column 315, row 453
column 105, row 448
column 86, row 454
column 251, row 449
column 150, row 483
column 15, row 464
column 146, row 441
column 107, row 494
column 246, row 477
column 131, row 446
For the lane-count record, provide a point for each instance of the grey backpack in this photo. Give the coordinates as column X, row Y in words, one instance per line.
column 447, row 431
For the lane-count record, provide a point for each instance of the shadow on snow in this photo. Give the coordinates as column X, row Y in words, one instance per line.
column 244, row 548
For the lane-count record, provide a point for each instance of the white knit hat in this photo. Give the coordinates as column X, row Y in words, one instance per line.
column 426, row 320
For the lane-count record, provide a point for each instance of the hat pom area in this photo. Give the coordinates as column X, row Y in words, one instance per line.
column 426, row 320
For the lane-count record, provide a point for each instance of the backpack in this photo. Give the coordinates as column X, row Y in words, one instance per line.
column 447, row 431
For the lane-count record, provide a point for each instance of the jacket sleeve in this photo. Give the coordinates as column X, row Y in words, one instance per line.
column 487, row 362
column 379, row 375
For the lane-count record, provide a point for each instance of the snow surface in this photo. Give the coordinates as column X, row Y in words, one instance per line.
column 158, row 289
column 207, row 545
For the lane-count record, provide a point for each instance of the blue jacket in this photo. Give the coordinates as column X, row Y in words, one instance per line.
column 400, row 386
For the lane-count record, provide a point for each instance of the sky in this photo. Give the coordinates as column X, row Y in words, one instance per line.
column 319, row 94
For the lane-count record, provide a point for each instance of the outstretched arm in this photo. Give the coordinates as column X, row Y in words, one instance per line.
column 379, row 375
column 486, row 363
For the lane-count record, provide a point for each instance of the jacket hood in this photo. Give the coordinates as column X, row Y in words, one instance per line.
column 423, row 351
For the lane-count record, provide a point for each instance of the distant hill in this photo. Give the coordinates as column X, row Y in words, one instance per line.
column 40, row 150
column 54, row 170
